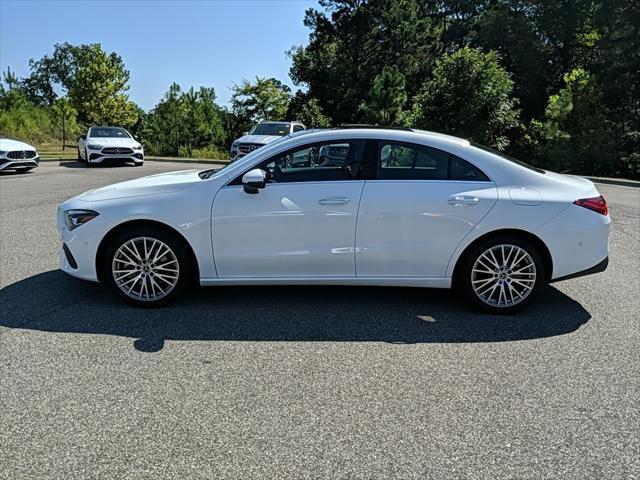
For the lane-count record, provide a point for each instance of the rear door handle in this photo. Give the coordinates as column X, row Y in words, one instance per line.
column 462, row 200
column 333, row 201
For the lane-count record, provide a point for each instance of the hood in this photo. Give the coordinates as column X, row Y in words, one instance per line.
column 113, row 142
column 151, row 185
column 7, row 145
column 263, row 139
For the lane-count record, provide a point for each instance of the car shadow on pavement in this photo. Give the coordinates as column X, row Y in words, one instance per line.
column 280, row 313
column 77, row 164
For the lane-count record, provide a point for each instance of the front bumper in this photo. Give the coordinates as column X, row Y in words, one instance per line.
column 11, row 164
column 77, row 254
column 97, row 157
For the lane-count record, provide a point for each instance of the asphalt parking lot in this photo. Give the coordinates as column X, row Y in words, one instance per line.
column 308, row 382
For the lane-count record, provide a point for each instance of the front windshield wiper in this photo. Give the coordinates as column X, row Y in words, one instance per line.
column 205, row 174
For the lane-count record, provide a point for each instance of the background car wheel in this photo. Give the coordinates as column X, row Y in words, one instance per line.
column 502, row 274
column 147, row 267
column 80, row 159
column 138, row 164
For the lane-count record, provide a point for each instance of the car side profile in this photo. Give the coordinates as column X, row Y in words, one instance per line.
column 102, row 145
column 358, row 206
column 262, row 134
column 17, row 156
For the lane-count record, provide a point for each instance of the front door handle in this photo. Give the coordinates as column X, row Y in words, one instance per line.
column 333, row 201
column 462, row 200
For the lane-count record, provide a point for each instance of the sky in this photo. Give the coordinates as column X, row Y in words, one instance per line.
column 193, row 43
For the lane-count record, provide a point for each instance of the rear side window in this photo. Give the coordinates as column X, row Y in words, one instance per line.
column 464, row 171
column 402, row 161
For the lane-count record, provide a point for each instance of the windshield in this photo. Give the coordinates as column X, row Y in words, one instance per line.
column 508, row 158
column 108, row 132
column 280, row 129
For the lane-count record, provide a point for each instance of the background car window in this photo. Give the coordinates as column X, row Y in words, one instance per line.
column 317, row 162
column 399, row 161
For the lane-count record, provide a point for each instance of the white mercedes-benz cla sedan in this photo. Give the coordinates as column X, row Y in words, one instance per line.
column 402, row 208
column 107, row 145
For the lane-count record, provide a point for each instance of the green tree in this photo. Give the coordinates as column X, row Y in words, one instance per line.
column 265, row 99
column 184, row 122
column 307, row 110
column 386, row 99
column 577, row 135
column 350, row 43
column 468, row 95
column 95, row 83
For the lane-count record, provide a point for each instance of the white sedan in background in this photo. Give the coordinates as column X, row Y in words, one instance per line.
column 403, row 208
column 17, row 156
column 107, row 145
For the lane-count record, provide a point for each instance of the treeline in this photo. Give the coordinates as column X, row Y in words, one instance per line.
column 554, row 82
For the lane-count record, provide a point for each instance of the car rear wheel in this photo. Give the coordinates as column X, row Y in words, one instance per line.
column 147, row 267
column 502, row 275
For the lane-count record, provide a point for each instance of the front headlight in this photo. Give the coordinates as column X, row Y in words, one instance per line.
column 94, row 147
column 234, row 146
column 2, row 153
column 75, row 218
column 137, row 147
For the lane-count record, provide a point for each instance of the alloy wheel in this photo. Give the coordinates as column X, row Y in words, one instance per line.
column 503, row 276
column 145, row 269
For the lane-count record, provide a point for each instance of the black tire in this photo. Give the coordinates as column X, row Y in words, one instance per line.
column 138, row 164
column 80, row 159
column 464, row 275
column 171, row 240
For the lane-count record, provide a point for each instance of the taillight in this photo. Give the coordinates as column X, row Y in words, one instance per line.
column 597, row 204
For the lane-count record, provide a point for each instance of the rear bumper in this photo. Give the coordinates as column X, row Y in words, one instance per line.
column 600, row 267
column 577, row 240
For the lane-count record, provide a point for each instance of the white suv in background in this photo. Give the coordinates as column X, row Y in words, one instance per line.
column 263, row 133
column 109, row 144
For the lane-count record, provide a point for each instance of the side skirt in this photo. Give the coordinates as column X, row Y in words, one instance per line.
column 363, row 281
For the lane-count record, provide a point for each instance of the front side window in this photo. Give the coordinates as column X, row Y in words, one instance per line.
column 400, row 161
column 316, row 162
column 108, row 132
column 298, row 128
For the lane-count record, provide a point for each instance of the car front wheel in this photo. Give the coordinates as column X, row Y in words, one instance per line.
column 502, row 275
column 146, row 267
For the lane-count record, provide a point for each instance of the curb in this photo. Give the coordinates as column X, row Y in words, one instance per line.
column 623, row 182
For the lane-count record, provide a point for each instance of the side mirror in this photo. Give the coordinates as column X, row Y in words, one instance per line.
column 246, row 133
column 254, row 180
column 82, row 137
